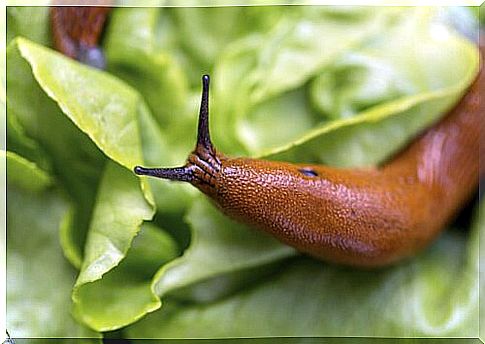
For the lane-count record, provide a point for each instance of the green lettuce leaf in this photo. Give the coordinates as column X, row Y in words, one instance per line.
column 39, row 278
column 23, row 145
column 265, row 65
column 133, row 55
column 107, row 117
column 392, row 66
column 31, row 22
column 171, row 199
column 219, row 246
column 24, row 173
column 433, row 294
column 426, row 93
column 41, row 125
column 204, row 32
column 118, row 214
column 95, row 102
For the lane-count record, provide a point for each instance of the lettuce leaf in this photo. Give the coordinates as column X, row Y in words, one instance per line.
column 118, row 214
column 219, row 246
column 74, row 159
column 93, row 109
column 39, row 278
column 132, row 55
column 24, row 173
column 279, row 91
column 433, row 294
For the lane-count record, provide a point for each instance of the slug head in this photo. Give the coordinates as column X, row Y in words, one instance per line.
column 203, row 164
column 228, row 181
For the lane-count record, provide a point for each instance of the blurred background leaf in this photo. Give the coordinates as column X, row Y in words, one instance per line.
column 39, row 278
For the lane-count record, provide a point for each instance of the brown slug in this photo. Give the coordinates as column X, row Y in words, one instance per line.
column 76, row 31
column 357, row 217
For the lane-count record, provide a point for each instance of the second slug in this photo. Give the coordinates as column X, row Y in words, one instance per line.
column 76, row 31
column 349, row 216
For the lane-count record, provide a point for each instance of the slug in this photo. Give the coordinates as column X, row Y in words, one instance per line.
column 77, row 30
column 358, row 217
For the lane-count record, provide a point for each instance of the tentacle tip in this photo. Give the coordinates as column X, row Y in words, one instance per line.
column 92, row 56
column 139, row 170
column 205, row 79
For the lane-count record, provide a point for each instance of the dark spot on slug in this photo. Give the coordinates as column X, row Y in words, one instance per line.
column 308, row 172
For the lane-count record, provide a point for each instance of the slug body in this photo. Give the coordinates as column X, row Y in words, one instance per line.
column 76, row 31
column 349, row 216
